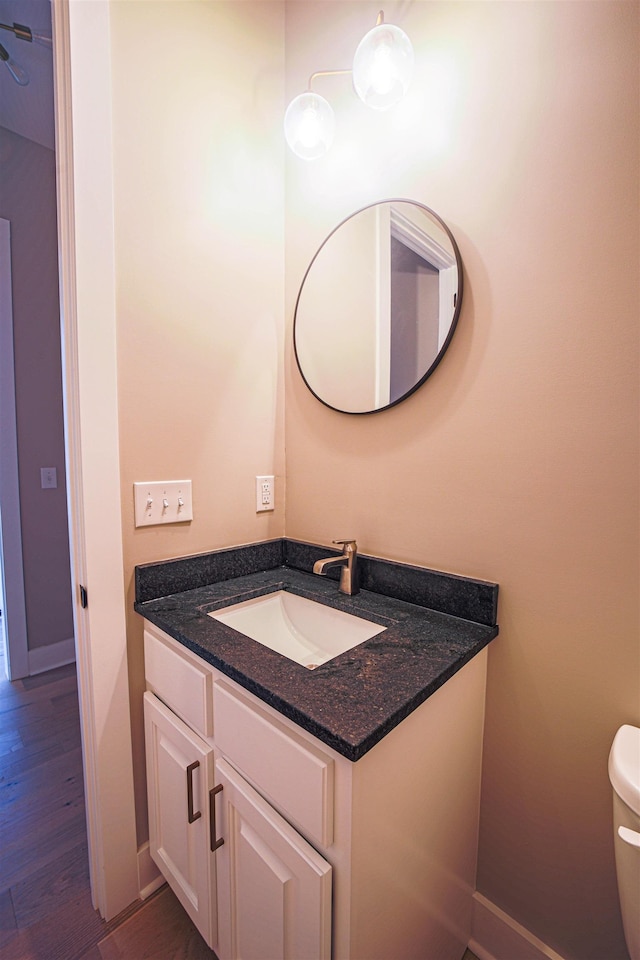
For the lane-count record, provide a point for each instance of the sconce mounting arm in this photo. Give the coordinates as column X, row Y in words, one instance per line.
column 326, row 73
column 19, row 31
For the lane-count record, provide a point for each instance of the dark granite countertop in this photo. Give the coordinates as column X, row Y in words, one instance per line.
column 354, row 700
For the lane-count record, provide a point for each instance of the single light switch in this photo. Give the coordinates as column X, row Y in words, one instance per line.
column 48, row 478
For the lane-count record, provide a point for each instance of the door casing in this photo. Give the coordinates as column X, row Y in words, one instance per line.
column 82, row 98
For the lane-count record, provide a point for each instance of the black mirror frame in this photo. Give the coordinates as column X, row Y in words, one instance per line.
column 452, row 327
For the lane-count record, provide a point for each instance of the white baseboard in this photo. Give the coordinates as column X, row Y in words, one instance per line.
column 52, row 656
column 149, row 877
column 497, row 936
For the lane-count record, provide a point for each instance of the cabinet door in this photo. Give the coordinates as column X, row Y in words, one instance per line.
column 179, row 778
column 274, row 889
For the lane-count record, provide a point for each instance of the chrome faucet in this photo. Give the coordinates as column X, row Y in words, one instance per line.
column 349, row 572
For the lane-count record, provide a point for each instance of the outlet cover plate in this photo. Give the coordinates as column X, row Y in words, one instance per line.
column 265, row 494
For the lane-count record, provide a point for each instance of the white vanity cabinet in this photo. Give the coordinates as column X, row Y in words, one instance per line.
column 253, row 886
column 318, row 856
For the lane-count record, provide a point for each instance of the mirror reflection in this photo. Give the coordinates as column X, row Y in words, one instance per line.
column 378, row 306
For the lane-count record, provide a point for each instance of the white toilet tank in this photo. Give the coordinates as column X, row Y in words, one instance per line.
column 624, row 773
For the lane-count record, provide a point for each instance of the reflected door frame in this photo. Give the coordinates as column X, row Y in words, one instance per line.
column 391, row 223
column 434, row 253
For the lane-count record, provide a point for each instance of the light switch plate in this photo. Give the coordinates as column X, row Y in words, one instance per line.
column 162, row 501
column 48, row 478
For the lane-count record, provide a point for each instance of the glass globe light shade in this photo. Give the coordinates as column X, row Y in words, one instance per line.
column 308, row 125
column 19, row 75
column 383, row 66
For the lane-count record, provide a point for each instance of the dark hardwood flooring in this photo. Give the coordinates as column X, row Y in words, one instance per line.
column 45, row 901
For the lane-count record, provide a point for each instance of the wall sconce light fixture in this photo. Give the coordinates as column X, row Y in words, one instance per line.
column 382, row 70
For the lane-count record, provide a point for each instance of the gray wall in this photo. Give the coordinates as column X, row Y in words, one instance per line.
column 28, row 201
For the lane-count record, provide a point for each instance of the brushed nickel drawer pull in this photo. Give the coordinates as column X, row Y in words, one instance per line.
column 192, row 817
column 212, row 818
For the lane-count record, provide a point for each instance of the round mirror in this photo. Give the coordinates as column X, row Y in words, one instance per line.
column 378, row 306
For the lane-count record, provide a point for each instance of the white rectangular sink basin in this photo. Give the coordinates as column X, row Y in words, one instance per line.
column 301, row 629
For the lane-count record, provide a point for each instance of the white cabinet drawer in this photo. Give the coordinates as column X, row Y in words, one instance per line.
column 295, row 775
column 180, row 682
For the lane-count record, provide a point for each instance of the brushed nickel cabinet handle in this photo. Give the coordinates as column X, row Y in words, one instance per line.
column 212, row 818
column 192, row 817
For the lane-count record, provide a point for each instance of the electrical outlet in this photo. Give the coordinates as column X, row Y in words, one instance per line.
column 265, row 494
column 164, row 501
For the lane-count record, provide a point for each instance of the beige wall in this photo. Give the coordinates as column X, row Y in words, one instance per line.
column 517, row 461
column 199, row 259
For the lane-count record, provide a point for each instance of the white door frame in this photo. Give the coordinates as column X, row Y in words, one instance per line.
column 87, row 300
column 14, row 614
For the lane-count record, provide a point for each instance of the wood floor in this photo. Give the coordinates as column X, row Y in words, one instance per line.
column 45, row 901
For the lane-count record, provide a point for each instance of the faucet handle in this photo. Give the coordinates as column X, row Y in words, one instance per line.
column 346, row 543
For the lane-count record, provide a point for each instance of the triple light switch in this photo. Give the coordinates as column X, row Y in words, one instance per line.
column 164, row 501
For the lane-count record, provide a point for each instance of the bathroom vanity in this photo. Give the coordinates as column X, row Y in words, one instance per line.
column 316, row 813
